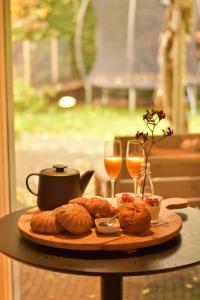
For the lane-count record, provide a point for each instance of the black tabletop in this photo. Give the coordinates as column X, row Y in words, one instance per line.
column 181, row 252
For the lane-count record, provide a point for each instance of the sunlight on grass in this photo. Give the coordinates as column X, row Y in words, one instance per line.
column 194, row 123
column 90, row 121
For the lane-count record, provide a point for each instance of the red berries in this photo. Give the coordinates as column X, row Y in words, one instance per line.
column 127, row 197
column 152, row 201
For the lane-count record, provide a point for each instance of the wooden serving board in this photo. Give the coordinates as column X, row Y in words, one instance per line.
column 168, row 227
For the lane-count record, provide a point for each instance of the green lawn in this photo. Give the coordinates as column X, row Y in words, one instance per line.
column 89, row 121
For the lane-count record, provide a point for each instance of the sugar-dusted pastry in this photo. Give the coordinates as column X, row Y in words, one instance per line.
column 135, row 218
column 74, row 218
column 45, row 222
column 98, row 207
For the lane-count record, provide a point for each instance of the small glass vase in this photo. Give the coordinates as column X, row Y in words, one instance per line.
column 144, row 182
column 145, row 191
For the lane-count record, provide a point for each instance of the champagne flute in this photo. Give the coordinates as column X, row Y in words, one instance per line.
column 134, row 159
column 112, row 161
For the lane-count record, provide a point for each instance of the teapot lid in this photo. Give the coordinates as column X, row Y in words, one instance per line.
column 59, row 170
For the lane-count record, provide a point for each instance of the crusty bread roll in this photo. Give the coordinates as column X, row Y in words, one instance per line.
column 74, row 218
column 45, row 222
column 135, row 218
column 98, row 207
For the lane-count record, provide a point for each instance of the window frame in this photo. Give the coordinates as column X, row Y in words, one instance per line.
column 7, row 161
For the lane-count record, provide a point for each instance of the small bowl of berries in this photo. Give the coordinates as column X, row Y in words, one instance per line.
column 124, row 198
column 154, row 204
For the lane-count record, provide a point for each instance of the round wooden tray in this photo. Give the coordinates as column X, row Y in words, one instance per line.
column 168, row 227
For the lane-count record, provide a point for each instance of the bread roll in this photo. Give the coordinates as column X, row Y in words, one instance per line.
column 74, row 218
column 45, row 222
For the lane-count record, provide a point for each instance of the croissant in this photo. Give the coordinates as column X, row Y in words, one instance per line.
column 82, row 201
column 96, row 206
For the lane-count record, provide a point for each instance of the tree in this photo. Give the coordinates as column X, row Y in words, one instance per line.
column 40, row 19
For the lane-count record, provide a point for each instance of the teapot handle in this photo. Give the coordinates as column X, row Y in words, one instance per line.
column 27, row 184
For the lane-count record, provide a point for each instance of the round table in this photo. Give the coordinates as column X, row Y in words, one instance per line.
column 181, row 252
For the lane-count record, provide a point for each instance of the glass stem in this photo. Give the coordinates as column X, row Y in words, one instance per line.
column 112, row 188
column 135, row 185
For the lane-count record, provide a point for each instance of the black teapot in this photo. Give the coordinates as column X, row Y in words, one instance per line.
column 58, row 185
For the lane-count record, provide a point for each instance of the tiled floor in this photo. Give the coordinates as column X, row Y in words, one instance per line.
column 38, row 284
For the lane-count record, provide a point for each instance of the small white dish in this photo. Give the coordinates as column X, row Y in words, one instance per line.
column 114, row 228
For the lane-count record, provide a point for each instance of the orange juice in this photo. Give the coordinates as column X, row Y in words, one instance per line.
column 134, row 164
column 112, row 165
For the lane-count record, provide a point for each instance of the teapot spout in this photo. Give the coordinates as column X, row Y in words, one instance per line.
column 84, row 179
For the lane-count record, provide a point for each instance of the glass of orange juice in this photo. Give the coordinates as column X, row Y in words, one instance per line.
column 134, row 159
column 112, row 161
